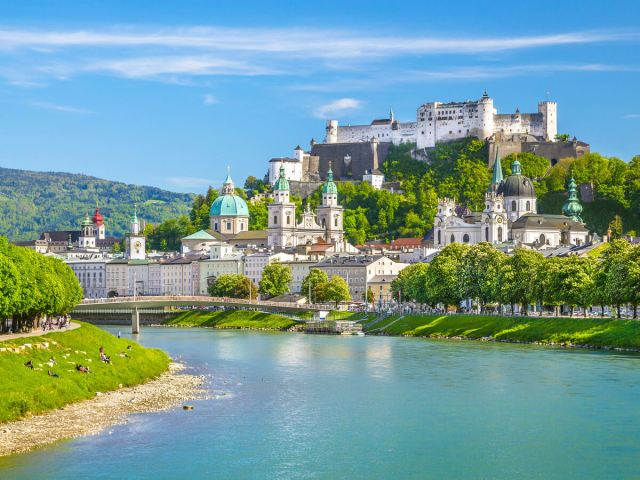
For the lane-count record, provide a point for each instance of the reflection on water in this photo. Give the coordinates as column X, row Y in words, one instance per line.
column 313, row 406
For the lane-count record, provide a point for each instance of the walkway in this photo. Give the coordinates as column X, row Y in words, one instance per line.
column 37, row 332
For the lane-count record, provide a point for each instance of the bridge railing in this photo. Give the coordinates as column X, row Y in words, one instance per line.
column 199, row 300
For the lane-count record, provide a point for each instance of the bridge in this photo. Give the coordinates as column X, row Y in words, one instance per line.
column 134, row 304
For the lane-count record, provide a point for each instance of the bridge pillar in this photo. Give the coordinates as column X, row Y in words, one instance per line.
column 135, row 321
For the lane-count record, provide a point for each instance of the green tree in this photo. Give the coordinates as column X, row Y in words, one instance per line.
column 275, row 280
column 480, row 273
column 233, row 285
column 443, row 279
column 562, row 137
column 533, row 166
column 314, row 284
column 337, row 290
column 518, row 278
column 410, row 283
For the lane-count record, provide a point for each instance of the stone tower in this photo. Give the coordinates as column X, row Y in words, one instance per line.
column 87, row 237
column 282, row 215
column 549, row 111
column 486, row 111
column 330, row 214
column 446, row 210
column 331, row 132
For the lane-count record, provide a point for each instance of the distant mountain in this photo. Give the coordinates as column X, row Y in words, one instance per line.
column 32, row 202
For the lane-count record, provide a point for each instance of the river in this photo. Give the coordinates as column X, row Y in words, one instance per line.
column 311, row 406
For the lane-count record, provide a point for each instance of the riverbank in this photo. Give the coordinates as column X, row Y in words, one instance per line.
column 231, row 319
column 40, row 373
column 106, row 409
column 594, row 333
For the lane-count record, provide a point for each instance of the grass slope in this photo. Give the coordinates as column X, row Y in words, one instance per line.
column 339, row 315
column 231, row 319
column 578, row 331
column 24, row 391
column 32, row 202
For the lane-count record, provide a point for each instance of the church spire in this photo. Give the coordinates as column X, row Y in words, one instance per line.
column 572, row 207
column 497, row 172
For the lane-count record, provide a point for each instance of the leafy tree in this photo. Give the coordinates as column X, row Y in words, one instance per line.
column 562, row 137
column 443, row 278
column 480, row 273
column 616, row 228
column 518, row 278
column 533, row 166
column 275, row 280
column 410, row 283
column 337, row 290
column 233, row 285
column 314, row 284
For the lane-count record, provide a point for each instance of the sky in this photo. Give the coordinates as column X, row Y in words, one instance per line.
column 170, row 93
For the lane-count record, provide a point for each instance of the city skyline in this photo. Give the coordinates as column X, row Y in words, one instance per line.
column 170, row 95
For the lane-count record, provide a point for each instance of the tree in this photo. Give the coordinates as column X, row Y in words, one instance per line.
column 480, row 273
column 314, row 284
column 233, row 285
column 616, row 227
column 410, row 283
column 519, row 277
column 275, row 280
column 371, row 298
column 533, row 166
column 562, row 137
column 337, row 290
column 443, row 279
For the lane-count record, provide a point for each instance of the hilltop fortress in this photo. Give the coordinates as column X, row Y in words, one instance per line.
column 441, row 122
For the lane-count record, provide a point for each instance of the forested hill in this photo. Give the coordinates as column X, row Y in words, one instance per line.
column 32, row 202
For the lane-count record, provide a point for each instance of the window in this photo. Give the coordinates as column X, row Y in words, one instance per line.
column 513, row 206
column 275, row 219
column 465, row 238
column 228, row 225
column 499, row 234
column 528, row 205
column 335, row 222
column 439, row 237
column 453, row 239
column 288, row 220
column 486, row 233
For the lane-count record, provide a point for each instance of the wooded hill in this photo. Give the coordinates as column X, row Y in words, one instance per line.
column 32, row 202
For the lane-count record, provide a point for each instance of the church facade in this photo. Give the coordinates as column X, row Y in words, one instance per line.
column 510, row 216
column 326, row 224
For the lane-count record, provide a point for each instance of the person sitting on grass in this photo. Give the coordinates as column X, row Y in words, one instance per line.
column 104, row 357
column 52, row 374
column 29, row 364
column 82, row 368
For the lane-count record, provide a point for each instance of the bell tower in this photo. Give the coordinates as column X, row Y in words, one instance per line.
column 494, row 219
column 282, row 215
column 135, row 241
column 330, row 213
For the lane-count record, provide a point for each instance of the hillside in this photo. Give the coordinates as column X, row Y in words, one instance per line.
column 32, row 202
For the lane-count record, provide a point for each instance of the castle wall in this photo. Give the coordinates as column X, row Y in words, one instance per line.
column 553, row 151
column 349, row 161
column 394, row 132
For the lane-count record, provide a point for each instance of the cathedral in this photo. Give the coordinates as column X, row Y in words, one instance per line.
column 325, row 224
column 510, row 216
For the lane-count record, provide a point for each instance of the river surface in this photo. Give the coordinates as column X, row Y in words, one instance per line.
column 311, row 406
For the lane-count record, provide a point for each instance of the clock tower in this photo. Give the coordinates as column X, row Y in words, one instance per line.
column 135, row 241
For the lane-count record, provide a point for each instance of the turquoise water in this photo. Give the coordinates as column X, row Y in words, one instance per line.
column 311, row 406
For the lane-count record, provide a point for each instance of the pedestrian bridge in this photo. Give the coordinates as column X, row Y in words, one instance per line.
column 134, row 304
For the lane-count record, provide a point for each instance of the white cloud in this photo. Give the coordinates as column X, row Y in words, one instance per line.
column 337, row 107
column 208, row 99
column 59, row 108
column 631, row 115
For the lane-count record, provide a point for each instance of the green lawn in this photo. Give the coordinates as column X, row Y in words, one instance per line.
column 577, row 330
column 24, row 391
column 232, row 319
column 340, row 315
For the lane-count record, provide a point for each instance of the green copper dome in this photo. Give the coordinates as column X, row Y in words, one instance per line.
column 281, row 183
column 329, row 186
column 86, row 222
column 229, row 204
column 572, row 207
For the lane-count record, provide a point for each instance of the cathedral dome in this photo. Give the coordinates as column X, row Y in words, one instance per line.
column 329, row 186
column 229, row 204
column 282, row 183
column 516, row 184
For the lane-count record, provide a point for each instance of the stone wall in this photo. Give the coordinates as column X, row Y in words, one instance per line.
column 554, row 151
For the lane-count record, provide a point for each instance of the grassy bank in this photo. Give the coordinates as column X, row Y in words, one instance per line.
column 340, row 315
column 593, row 332
column 26, row 391
column 231, row 319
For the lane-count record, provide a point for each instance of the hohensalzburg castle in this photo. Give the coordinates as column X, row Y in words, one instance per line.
column 440, row 122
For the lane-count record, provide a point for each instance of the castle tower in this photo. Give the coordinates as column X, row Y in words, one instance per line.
column 330, row 213
column 549, row 111
column 446, row 210
column 494, row 219
column 87, row 238
column 331, row 132
column 282, row 215
column 572, row 207
column 135, row 241
column 486, row 112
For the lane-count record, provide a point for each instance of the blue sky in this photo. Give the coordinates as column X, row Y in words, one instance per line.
column 170, row 93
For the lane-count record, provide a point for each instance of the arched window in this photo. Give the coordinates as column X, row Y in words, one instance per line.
column 528, row 205
column 439, row 237
column 499, row 234
column 228, row 225
column 465, row 238
column 453, row 239
column 543, row 239
column 215, row 226
column 513, row 206
column 486, row 233
column 324, row 223
column 288, row 220
column 335, row 222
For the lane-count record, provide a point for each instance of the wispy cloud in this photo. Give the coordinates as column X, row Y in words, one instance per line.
column 209, row 99
column 337, row 107
column 188, row 182
column 60, row 108
column 631, row 116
